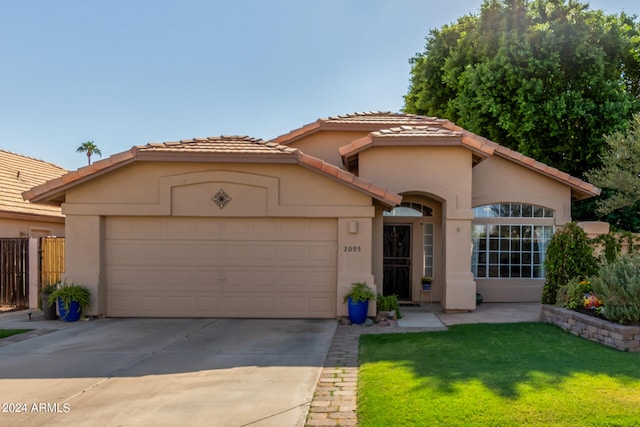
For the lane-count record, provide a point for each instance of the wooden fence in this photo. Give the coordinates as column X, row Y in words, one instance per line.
column 51, row 260
column 14, row 272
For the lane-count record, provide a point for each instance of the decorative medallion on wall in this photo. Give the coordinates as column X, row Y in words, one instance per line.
column 221, row 198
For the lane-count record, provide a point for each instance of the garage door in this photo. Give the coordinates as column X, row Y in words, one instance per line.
column 201, row 267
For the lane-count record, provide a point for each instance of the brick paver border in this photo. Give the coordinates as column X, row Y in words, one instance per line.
column 336, row 396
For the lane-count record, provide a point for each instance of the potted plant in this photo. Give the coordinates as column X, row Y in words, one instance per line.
column 358, row 301
column 72, row 300
column 48, row 310
column 426, row 283
column 388, row 306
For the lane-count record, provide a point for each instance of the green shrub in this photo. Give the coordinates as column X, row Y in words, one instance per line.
column 569, row 256
column 360, row 292
column 388, row 303
column 572, row 294
column 70, row 292
column 618, row 284
column 611, row 247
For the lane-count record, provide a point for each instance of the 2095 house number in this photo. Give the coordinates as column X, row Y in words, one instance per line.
column 352, row 249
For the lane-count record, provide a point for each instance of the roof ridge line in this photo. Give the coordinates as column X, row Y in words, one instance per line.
column 32, row 158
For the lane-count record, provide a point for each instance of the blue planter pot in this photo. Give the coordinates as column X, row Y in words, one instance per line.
column 358, row 311
column 73, row 314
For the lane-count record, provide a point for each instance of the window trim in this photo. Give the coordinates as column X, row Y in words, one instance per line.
column 510, row 249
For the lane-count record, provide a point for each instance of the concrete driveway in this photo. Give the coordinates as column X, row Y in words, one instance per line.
column 143, row 372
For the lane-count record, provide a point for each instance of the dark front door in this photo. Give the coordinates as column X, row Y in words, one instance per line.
column 397, row 261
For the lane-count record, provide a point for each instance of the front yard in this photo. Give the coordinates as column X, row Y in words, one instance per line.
column 496, row 375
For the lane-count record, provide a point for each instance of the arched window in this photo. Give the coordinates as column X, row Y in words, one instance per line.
column 510, row 240
column 512, row 210
column 410, row 209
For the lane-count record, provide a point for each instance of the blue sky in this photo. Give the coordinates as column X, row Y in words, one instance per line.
column 129, row 72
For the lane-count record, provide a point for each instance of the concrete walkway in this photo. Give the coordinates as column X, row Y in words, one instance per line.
column 335, row 399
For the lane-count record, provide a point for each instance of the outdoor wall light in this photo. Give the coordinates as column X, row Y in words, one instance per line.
column 353, row 227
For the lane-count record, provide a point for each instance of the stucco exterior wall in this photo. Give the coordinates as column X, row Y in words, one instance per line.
column 150, row 187
column 186, row 189
column 324, row 145
column 31, row 228
column 496, row 180
column 442, row 174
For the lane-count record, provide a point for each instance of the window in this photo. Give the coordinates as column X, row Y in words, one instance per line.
column 505, row 246
column 410, row 209
column 512, row 210
column 427, row 244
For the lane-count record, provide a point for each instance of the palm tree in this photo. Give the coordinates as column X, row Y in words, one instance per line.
column 90, row 148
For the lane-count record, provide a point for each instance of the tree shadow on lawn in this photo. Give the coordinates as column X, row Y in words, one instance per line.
column 502, row 357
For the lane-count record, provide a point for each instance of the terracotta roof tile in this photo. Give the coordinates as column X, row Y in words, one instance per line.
column 218, row 145
column 380, row 125
column 384, row 117
column 416, row 135
column 382, row 195
column 364, row 121
column 584, row 188
column 19, row 173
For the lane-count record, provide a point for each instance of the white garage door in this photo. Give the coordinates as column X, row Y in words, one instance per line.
column 201, row 267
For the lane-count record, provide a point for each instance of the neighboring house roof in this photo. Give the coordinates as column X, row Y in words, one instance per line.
column 237, row 149
column 19, row 173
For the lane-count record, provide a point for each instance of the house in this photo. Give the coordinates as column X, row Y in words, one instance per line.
column 19, row 218
column 238, row 227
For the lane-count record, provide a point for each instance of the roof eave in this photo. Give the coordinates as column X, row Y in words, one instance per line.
column 580, row 190
column 332, row 124
column 380, row 194
column 58, row 219
column 581, row 194
column 52, row 192
column 348, row 151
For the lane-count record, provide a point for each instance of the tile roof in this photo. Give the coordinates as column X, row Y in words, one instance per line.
column 365, row 121
column 217, row 144
column 219, row 148
column 19, row 173
column 441, row 131
column 414, row 135
column 383, row 128
column 580, row 189
column 384, row 117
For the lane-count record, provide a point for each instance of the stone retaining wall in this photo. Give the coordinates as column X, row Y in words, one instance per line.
column 625, row 338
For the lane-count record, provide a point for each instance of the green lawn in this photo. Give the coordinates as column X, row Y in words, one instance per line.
column 8, row 332
column 496, row 375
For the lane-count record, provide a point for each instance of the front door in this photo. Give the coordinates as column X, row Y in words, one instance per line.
column 397, row 261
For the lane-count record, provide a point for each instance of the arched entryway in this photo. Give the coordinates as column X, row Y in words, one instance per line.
column 411, row 247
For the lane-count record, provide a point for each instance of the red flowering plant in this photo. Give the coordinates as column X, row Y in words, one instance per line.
column 590, row 300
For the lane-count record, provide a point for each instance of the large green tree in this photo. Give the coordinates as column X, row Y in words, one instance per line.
column 619, row 177
column 548, row 78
